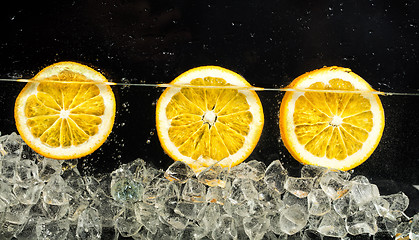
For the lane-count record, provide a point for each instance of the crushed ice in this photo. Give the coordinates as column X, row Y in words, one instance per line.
column 49, row 199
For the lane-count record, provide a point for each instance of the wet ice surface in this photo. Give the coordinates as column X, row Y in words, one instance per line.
column 42, row 198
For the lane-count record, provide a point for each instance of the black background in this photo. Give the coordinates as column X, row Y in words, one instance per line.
column 268, row 42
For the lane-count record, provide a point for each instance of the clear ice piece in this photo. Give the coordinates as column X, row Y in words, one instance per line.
column 179, row 171
column 318, row 202
column 275, row 176
column 293, row 219
column 12, row 145
column 124, row 188
column 300, row 187
column 52, row 229
column 49, row 167
column 28, row 192
column 17, row 213
column 8, row 169
column 225, row 229
column 290, row 199
column 332, row 225
column 361, row 222
column 215, row 195
column 26, row 170
column 311, row 171
column 89, row 225
column 253, row 170
column 189, row 210
column 29, row 230
column 414, row 228
column 362, row 193
column 55, row 191
column 126, row 222
column 214, row 175
column 255, row 228
column 342, row 205
column 398, row 203
column 194, row 191
column 146, row 215
column 334, row 185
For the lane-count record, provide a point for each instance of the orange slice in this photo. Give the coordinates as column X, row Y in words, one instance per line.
column 334, row 130
column 204, row 126
column 65, row 120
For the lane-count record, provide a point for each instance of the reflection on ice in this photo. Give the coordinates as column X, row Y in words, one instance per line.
column 49, row 199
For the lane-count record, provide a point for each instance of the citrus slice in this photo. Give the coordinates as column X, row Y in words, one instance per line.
column 334, row 130
column 204, row 126
column 65, row 120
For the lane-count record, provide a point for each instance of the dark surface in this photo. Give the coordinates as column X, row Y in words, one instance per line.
column 269, row 43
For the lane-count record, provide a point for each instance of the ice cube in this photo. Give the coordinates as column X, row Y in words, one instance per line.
column 166, row 211
column 8, row 168
column 275, row 176
column 250, row 208
column 332, row 225
column 342, row 205
column 271, row 200
column 311, row 235
column 210, row 217
column 6, row 194
column 179, row 171
column 146, row 215
column 190, row 210
column 334, row 185
column 52, row 229
column 225, row 229
column 8, row 230
column 311, row 171
column 300, row 187
column 215, row 195
column 293, row 219
column 76, row 206
column 361, row 222
column 69, row 164
column 255, row 228
column 398, row 203
column 214, row 175
column 12, row 145
column 124, row 188
column 29, row 230
column 26, row 170
column 290, row 199
column 89, row 225
column 55, row 211
column 318, row 202
column 194, row 191
column 92, row 185
column 28, row 192
column 362, row 193
column 17, row 213
column 236, row 195
column 48, row 168
column 54, row 192
column 253, row 170
column 274, row 223
column 126, row 221
column 414, row 228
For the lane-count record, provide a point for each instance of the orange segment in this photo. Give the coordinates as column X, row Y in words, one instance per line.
column 202, row 126
column 64, row 120
column 335, row 130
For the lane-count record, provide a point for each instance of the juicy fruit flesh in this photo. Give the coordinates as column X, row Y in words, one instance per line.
column 62, row 115
column 208, row 123
column 332, row 125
